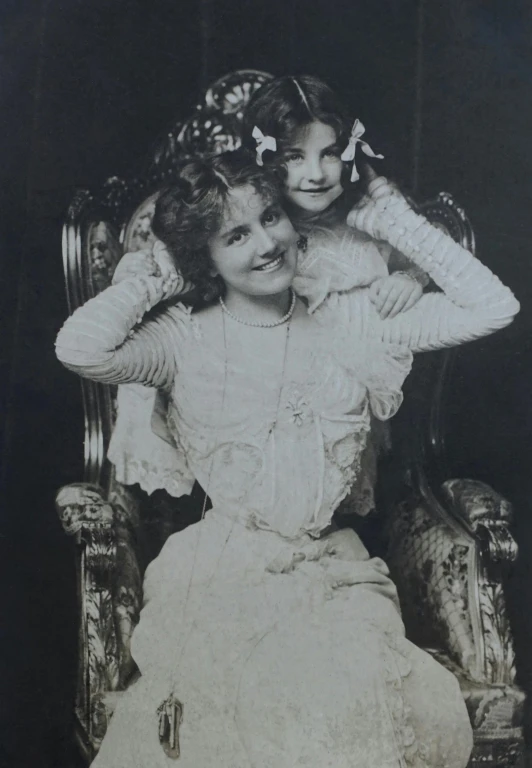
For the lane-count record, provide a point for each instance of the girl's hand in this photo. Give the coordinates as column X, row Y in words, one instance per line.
column 394, row 294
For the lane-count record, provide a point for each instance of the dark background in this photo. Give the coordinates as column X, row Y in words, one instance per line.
column 445, row 90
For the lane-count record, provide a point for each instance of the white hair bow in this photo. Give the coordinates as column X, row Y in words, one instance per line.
column 263, row 143
column 349, row 152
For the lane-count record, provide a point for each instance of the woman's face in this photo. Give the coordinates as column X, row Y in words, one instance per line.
column 314, row 168
column 255, row 249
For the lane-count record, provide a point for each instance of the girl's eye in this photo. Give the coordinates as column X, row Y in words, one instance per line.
column 293, row 157
column 332, row 152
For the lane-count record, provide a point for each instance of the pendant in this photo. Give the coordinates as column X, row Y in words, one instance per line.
column 170, row 714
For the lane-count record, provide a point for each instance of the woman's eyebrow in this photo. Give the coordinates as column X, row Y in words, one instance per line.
column 232, row 231
column 271, row 208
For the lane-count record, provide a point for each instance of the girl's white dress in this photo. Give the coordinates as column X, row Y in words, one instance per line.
column 284, row 645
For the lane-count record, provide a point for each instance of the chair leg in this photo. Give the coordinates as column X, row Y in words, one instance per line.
column 527, row 729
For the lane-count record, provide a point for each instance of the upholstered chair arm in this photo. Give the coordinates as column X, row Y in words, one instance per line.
column 109, row 593
column 446, row 557
column 488, row 515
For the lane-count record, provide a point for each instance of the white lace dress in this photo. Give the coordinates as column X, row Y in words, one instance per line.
column 284, row 649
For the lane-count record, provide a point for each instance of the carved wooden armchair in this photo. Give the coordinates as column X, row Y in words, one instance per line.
column 448, row 540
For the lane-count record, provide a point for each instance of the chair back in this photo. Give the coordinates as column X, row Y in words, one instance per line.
column 419, row 430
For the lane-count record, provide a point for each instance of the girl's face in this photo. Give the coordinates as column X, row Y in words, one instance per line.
column 314, row 168
column 255, row 249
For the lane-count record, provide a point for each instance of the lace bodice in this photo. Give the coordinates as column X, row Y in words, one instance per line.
column 263, row 434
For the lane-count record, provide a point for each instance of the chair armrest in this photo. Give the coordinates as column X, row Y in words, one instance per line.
column 447, row 568
column 109, row 593
column 488, row 515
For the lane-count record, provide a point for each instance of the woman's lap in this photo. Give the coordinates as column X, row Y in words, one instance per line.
column 286, row 668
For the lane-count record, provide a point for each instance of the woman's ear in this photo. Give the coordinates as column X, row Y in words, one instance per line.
column 302, row 243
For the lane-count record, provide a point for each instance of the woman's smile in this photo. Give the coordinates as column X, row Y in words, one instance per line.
column 271, row 265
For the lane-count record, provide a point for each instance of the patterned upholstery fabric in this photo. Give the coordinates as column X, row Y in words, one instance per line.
column 432, row 566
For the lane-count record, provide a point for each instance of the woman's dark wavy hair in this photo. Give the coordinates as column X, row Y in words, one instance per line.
column 190, row 211
column 282, row 107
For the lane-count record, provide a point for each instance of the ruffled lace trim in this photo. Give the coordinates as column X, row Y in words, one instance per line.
column 138, row 454
column 380, row 366
column 151, row 478
column 386, row 373
column 397, row 667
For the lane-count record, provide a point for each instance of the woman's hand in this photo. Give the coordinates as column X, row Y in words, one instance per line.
column 172, row 280
column 157, row 264
column 139, row 263
column 395, row 293
column 369, row 214
column 346, row 545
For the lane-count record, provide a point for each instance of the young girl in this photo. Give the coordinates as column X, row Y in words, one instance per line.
column 299, row 128
column 267, row 640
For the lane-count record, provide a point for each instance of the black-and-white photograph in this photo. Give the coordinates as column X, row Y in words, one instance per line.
column 266, row 472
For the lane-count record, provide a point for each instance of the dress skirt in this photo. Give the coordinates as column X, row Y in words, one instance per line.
column 283, row 654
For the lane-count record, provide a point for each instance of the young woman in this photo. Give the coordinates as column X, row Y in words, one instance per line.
column 267, row 640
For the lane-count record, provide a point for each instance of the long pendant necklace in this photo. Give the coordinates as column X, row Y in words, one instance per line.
column 286, row 319
column 281, row 383
column 170, row 711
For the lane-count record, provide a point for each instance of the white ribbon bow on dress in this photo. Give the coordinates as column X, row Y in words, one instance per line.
column 263, row 143
column 349, row 152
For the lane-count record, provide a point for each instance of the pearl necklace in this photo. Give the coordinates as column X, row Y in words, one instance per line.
column 262, row 325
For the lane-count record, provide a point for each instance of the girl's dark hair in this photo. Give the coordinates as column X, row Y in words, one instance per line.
column 283, row 106
column 189, row 213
